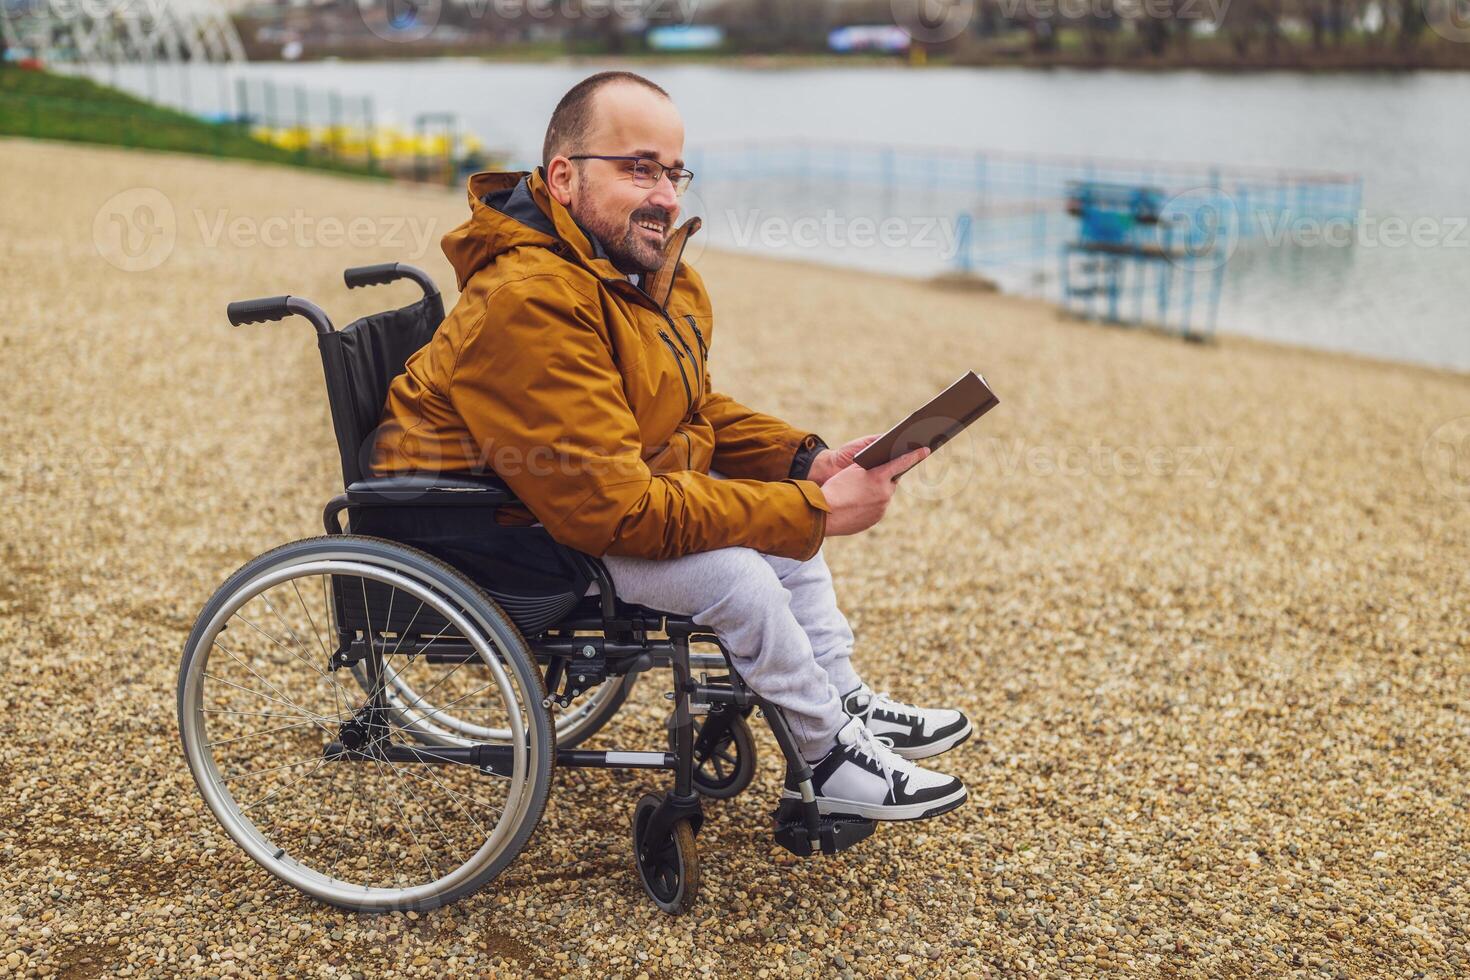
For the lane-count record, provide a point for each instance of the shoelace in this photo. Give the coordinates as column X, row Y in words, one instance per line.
column 880, row 750
column 882, row 699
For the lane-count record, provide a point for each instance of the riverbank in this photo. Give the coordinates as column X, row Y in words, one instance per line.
column 41, row 105
column 1016, row 50
column 1206, row 604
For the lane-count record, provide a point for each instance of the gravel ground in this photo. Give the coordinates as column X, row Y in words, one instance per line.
column 1207, row 605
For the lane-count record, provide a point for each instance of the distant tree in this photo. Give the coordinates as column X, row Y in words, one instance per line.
column 1411, row 22
column 1096, row 25
column 1153, row 35
column 1268, row 25
column 1043, row 35
column 1318, row 15
column 1238, row 23
column 987, row 18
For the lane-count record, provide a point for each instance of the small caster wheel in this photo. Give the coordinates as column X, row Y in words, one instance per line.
column 724, row 755
column 668, row 868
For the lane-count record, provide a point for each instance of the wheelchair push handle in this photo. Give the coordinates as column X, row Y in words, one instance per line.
column 386, row 272
column 278, row 308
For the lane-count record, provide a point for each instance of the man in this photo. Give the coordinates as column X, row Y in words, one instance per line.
column 575, row 365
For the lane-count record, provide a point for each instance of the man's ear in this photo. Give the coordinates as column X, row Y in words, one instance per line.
column 560, row 180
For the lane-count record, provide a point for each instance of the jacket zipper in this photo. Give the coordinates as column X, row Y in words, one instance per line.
column 679, row 360
column 703, row 350
column 693, row 362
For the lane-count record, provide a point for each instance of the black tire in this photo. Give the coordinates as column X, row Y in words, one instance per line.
column 724, row 755
column 452, row 590
column 668, row 869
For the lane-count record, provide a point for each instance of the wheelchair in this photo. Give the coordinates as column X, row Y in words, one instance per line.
column 373, row 715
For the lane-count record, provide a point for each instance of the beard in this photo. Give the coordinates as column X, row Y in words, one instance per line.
column 625, row 246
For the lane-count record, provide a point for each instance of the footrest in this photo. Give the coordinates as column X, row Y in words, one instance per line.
column 835, row 832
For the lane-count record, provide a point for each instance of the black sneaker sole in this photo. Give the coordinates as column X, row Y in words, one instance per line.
column 881, row 811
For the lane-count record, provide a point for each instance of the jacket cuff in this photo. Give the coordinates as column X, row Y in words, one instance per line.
column 820, row 509
column 806, row 454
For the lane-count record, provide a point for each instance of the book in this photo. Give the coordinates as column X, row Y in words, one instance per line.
column 945, row 416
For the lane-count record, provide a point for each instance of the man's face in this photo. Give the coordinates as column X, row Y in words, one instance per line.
column 632, row 222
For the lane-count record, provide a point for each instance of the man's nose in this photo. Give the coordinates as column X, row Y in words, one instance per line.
column 663, row 196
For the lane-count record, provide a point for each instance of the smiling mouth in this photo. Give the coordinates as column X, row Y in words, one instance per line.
column 656, row 227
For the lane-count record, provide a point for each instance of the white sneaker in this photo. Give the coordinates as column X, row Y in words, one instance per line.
column 914, row 732
column 862, row 776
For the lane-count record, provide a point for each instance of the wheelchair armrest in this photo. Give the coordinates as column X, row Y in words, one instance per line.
column 431, row 490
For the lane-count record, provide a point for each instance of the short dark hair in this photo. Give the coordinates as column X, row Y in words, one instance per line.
column 573, row 116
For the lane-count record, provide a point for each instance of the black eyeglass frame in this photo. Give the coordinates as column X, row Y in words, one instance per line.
column 688, row 175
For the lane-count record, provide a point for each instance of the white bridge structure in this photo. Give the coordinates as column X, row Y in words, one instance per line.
column 119, row 32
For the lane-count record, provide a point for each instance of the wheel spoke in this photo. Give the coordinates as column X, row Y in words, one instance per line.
column 408, row 788
column 300, row 711
column 456, row 798
column 349, row 827
column 398, row 672
column 326, row 654
column 276, row 792
column 409, row 628
column 288, row 702
column 457, row 795
column 446, row 707
column 262, row 772
column 268, row 731
column 230, row 711
column 437, row 684
column 295, row 639
column 404, row 817
column 265, row 597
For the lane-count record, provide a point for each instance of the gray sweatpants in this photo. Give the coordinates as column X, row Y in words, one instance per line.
column 777, row 616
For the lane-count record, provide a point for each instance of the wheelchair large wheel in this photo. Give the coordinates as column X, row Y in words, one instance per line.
column 432, row 723
column 312, row 775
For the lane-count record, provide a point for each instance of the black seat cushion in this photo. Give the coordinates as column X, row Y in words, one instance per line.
column 535, row 580
column 440, row 489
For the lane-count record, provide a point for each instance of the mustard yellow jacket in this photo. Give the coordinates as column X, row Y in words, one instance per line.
column 591, row 397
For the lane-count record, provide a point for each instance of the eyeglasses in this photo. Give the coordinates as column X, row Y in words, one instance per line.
column 646, row 171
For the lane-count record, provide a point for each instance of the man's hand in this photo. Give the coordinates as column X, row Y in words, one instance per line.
column 858, row 497
column 830, row 462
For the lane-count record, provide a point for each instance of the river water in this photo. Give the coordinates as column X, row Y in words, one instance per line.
column 1396, row 285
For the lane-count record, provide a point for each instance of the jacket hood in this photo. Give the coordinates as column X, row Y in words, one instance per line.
column 515, row 210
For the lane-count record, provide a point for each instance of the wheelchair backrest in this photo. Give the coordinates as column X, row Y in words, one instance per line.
column 360, row 361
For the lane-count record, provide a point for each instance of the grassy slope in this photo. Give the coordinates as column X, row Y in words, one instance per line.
column 47, row 106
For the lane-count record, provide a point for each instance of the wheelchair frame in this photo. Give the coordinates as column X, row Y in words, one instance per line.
column 597, row 648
